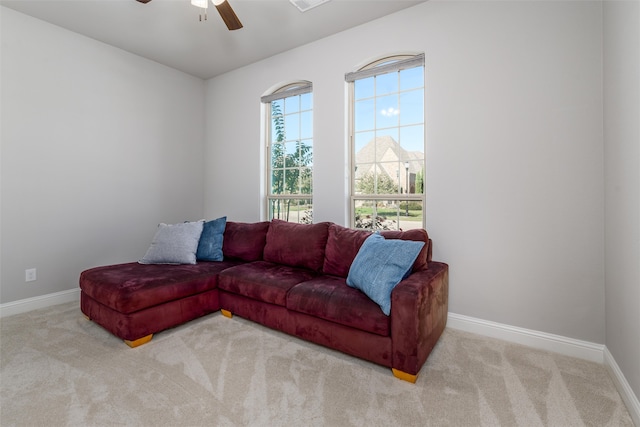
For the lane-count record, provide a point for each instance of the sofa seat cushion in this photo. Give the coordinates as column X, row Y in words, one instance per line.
column 263, row 281
column 127, row 288
column 329, row 298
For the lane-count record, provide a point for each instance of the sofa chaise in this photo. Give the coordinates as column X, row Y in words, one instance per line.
column 289, row 277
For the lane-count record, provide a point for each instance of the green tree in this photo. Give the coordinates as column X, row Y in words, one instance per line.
column 385, row 185
column 420, row 182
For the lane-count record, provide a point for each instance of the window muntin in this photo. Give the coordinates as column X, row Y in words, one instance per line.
column 290, row 153
column 387, row 144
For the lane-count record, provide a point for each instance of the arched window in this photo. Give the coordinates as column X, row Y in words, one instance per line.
column 289, row 156
column 387, row 136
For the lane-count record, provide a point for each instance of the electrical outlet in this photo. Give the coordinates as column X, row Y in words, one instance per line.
column 30, row 275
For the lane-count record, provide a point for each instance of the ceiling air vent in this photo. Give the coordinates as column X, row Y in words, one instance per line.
column 304, row 5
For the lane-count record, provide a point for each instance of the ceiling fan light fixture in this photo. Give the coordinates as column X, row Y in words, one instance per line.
column 305, row 5
column 200, row 3
column 217, row 2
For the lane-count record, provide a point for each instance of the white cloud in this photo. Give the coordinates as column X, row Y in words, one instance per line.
column 390, row 112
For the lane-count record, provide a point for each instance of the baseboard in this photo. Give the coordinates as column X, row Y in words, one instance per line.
column 557, row 344
column 28, row 304
column 628, row 396
column 540, row 340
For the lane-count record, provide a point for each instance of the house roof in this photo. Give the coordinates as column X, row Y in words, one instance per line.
column 387, row 155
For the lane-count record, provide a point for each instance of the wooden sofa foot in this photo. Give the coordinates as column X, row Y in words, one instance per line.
column 404, row 376
column 86, row 317
column 226, row 313
column 139, row 341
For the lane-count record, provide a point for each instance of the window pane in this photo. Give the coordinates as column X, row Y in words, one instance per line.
column 292, row 210
column 378, row 178
column 277, row 129
column 291, row 153
column 410, row 214
column 364, row 88
column 388, row 214
column 386, row 83
column 373, row 215
column 362, row 171
column 306, row 100
column 292, row 126
column 305, row 153
column 306, row 174
column 277, row 106
column 275, row 132
column 306, row 124
column 277, row 181
column 388, row 178
column 412, row 78
column 365, row 179
column 416, row 178
column 412, row 138
column 365, row 115
column 391, row 135
column 362, row 139
column 387, row 149
column 277, row 156
column 388, row 111
column 366, row 154
column 411, row 107
column 292, row 104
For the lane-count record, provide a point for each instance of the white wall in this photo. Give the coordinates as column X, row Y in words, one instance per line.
column 98, row 146
column 622, row 174
column 514, row 149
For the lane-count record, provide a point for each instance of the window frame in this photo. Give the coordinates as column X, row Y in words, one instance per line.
column 286, row 91
column 381, row 66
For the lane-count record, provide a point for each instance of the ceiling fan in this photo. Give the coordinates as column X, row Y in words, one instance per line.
column 224, row 8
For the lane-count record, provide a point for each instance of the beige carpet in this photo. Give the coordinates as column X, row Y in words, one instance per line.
column 57, row 368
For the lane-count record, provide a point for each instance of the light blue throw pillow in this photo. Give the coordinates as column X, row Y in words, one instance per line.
column 380, row 265
column 211, row 239
column 174, row 244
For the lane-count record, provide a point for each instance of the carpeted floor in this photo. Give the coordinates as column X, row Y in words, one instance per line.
column 57, row 368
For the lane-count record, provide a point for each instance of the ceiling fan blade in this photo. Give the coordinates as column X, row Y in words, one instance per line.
column 228, row 15
column 144, row 1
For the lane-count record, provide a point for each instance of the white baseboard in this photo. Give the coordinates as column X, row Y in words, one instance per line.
column 555, row 343
column 540, row 340
column 629, row 397
column 28, row 304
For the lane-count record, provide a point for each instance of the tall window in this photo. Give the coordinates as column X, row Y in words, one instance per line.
column 387, row 143
column 290, row 153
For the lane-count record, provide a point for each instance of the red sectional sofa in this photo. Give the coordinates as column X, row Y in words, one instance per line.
column 289, row 277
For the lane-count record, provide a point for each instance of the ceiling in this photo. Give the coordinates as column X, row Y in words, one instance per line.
column 169, row 31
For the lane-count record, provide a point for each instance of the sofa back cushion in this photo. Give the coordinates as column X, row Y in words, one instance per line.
column 343, row 245
column 296, row 245
column 417, row 235
column 245, row 241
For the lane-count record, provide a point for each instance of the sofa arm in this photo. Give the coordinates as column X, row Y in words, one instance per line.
column 419, row 306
